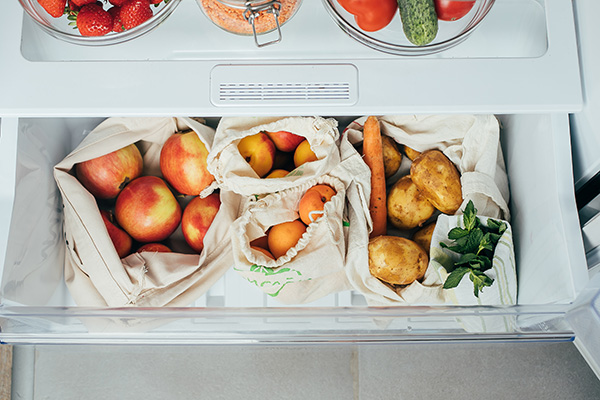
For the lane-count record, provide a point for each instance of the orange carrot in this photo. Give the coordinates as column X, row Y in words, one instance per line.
column 373, row 156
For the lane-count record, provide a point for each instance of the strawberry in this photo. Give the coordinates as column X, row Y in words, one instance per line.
column 117, row 24
column 156, row 1
column 56, row 8
column 93, row 20
column 80, row 3
column 135, row 12
column 117, row 3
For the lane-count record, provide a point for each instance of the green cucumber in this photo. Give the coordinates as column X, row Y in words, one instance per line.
column 419, row 20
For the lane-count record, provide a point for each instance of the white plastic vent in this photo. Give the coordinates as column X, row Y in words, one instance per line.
column 256, row 85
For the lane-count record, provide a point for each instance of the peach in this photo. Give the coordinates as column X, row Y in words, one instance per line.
column 154, row 248
column 183, row 163
column 277, row 173
column 265, row 252
column 258, row 151
column 285, row 141
column 284, row 236
column 314, row 201
column 105, row 176
column 197, row 218
column 303, row 154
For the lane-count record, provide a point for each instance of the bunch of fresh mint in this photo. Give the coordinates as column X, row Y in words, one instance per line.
column 475, row 243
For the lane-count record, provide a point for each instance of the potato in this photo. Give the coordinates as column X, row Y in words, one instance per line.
column 396, row 260
column 392, row 158
column 411, row 153
column 438, row 179
column 422, row 237
column 406, row 206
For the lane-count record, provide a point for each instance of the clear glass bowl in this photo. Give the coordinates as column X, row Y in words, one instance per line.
column 60, row 28
column 392, row 38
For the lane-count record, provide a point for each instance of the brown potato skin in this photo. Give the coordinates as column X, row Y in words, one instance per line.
column 422, row 237
column 396, row 260
column 411, row 153
column 406, row 206
column 438, row 179
column 392, row 158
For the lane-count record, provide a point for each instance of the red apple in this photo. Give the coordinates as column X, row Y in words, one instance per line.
column 121, row 240
column 285, row 141
column 105, row 176
column 154, row 248
column 183, row 163
column 147, row 209
column 198, row 215
column 259, row 151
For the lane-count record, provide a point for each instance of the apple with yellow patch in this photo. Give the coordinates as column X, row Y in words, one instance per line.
column 197, row 218
column 258, row 151
column 105, row 176
column 154, row 248
column 313, row 202
column 147, row 209
column 120, row 239
column 183, row 163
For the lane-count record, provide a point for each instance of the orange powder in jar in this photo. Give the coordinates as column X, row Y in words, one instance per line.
column 232, row 19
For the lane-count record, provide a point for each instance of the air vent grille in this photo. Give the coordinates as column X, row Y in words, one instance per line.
column 241, row 92
column 284, row 85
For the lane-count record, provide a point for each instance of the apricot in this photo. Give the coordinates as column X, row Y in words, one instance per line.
column 303, row 154
column 266, row 253
column 314, row 201
column 284, row 236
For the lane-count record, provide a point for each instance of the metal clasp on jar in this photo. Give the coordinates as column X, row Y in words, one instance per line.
column 253, row 11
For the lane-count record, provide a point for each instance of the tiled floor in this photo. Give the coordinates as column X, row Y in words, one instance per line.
column 377, row 372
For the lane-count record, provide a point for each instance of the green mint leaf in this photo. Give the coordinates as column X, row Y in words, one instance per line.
column 473, row 240
column 455, row 277
column 480, row 280
column 466, row 258
column 494, row 237
column 457, row 233
column 470, row 216
column 485, row 243
column 497, row 226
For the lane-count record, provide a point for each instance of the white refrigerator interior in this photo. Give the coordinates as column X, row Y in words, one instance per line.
column 521, row 64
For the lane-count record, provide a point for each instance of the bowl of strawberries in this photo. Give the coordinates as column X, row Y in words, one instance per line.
column 98, row 22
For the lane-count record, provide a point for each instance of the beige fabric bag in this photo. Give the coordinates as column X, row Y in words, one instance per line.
column 233, row 173
column 315, row 267
column 472, row 143
column 94, row 273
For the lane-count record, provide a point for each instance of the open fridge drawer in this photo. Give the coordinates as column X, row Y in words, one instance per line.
column 37, row 308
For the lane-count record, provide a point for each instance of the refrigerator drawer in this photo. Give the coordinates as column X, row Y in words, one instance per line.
column 36, row 306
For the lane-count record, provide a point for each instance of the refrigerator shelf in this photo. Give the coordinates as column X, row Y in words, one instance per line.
column 523, row 58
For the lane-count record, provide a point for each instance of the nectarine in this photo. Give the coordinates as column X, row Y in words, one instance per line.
column 277, row 173
column 284, row 140
column 258, row 151
column 304, row 154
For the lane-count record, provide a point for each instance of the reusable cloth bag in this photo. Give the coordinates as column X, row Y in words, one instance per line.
column 232, row 172
column 316, row 266
column 472, row 143
column 503, row 291
column 94, row 273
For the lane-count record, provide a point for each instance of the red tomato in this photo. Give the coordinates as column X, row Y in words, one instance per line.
column 371, row 15
column 451, row 10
